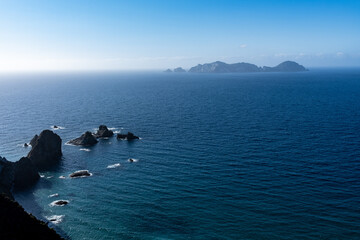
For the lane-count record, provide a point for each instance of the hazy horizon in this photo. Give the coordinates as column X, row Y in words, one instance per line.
column 156, row 35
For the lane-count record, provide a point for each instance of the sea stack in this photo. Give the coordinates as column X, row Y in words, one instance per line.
column 103, row 132
column 87, row 139
column 46, row 149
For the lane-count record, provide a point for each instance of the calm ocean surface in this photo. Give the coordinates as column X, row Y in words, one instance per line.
column 222, row 156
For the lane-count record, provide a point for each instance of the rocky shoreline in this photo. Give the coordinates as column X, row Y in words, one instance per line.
column 45, row 153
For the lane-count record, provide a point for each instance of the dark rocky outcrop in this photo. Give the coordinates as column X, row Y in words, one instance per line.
column 129, row 136
column 46, row 149
column 33, row 140
column 87, row 139
column 60, row 203
column 80, row 173
column 103, row 132
column 168, row 70
column 7, row 174
column 17, row 175
column 221, row 67
column 179, row 70
column 26, row 174
column 17, row 224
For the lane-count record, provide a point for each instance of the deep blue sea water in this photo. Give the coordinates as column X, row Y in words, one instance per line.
column 222, row 156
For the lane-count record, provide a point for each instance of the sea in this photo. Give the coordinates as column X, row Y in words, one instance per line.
column 220, row 156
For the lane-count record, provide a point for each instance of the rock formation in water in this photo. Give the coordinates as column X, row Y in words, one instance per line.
column 103, row 132
column 15, row 223
column 87, row 139
column 46, row 149
column 60, row 202
column 168, row 70
column 179, row 70
column 129, row 136
column 80, row 173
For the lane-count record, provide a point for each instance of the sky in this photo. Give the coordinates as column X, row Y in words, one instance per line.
column 46, row 35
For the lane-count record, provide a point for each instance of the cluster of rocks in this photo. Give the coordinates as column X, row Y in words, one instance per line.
column 89, row 138
column 45, row 153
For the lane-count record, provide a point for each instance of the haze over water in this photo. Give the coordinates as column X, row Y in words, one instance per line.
column 221, row 156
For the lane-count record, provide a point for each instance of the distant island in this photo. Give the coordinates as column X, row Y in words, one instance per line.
column 221, row 67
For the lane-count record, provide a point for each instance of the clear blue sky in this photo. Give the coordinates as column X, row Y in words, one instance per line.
column 159, row 34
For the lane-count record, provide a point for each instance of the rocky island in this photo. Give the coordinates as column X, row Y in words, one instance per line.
column 46, row 150
column 87, row 139
column 103, row 132
column 129, row 136
column 221, row 67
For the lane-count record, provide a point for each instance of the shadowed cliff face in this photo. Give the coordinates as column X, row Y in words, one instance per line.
column 46, row 150
column 17, row 224
column 7, row 174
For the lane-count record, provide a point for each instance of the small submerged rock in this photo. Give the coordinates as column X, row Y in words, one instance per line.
column 129, row 136
column 55, row 219
column 59, row 203
column 103, row 132
column 132, row 160
column 87, row 139
column 80, row 173
column 55, row 127
column 26, row 145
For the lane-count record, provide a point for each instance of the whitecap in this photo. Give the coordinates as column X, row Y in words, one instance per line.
column 53, row 195
column 49, row 177
column 55, row 219
column 42, row 176
column 85, row 149
column 59, row 203
column 112, row 128
column 116, row 132
column 62, row 177
column 69, row 144
column 114, row 165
